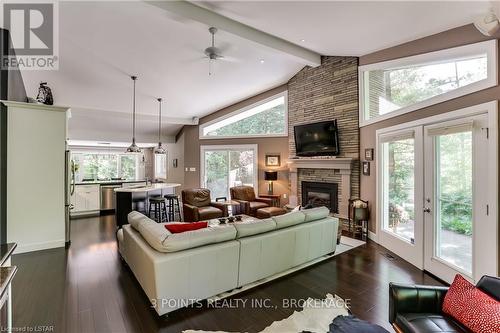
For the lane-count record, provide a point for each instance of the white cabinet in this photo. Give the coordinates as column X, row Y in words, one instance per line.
column 86, row 198
column 41, row 169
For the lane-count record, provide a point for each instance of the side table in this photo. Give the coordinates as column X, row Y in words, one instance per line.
column 275, row 197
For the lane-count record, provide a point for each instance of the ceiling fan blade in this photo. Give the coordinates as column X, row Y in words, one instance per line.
column 194, row 60
column 230, row 59
column 224, row 47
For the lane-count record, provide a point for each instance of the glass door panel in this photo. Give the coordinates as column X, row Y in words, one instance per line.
column 216, row 173
column 228, row 166
column 401, row 193
column 453, row 241
column 400, row 188
column 241, row 169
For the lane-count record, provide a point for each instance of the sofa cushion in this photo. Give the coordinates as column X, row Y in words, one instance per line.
column 254, row 227
column 154, row 233
column 191, row 239
column 209, row 212
column 317, row 213
column 472, row 307
column 135, row 219
column 254, row 205
column 289, row 219
column 427, row 322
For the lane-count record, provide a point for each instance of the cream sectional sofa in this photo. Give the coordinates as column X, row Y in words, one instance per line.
column 176, row 270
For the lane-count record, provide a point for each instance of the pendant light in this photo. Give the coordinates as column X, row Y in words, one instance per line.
column 159, row 149
column 133, row 148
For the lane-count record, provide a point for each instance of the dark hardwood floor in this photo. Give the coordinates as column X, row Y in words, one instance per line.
column 88, row 289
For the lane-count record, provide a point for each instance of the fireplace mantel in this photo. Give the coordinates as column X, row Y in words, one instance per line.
column 343, row 164
column 340, row 163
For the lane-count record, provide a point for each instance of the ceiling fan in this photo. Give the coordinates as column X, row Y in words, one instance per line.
column 213, row 53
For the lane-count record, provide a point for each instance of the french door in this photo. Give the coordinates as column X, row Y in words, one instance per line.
column 225, row 166
column 461, row 233
column 437, row 186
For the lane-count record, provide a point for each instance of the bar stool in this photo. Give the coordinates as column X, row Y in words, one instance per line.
column 160, row 210
column 173, row 207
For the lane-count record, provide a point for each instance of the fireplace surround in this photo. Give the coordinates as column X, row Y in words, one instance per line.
column 340, row 166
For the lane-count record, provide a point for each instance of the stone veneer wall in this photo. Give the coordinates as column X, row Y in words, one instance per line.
column 327, row 92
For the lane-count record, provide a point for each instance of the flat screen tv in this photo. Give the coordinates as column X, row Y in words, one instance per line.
column 317, row 139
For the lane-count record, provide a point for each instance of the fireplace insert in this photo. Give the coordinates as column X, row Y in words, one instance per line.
column 316, row 194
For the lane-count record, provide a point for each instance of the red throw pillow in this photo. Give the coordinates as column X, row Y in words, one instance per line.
column 472, row 307
column 176, row 228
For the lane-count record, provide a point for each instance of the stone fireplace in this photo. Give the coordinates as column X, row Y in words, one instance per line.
column 324, row 171
column 316, row 194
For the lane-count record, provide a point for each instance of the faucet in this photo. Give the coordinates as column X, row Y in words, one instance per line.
column 148, row 181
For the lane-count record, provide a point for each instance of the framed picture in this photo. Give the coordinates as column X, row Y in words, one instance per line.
column 273, row 160
column 366, row 168
column 174, row 162
column 369, row 154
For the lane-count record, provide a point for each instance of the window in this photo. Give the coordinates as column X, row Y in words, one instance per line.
column 265, row 118
column 223, row 167
column 395, row 87
column 99, row 165
column 160, row 166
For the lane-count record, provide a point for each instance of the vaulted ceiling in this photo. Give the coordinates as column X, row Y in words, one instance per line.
column 103, row 43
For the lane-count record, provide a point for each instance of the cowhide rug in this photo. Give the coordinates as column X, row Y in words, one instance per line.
column 315, row 316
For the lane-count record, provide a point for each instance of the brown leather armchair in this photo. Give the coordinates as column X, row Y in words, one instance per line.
column 249, row 203
column 197, row 205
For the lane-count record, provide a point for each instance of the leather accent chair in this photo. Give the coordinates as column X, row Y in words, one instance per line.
column 416, row 309
column 249, row 203
column 197, row 205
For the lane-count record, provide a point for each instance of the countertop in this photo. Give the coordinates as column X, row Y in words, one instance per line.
column 149, row 188
column 109, row 182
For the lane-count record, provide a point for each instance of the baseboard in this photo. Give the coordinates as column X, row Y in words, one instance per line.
column 372, row 236
column 23, row 248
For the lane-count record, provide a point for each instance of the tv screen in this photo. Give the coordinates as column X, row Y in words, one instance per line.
column 317, row 139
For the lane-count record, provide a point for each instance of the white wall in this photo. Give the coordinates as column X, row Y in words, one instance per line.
column 36, row 139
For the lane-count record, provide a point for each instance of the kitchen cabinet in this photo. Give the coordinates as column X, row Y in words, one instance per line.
column 86, row 198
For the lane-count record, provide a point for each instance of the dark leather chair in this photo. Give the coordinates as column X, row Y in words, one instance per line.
column 249, row 203
column 198, row 206
column 416, row 309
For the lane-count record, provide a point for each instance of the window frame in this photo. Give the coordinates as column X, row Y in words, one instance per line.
column 244, row 109
column 118, row 154
column 490, row 47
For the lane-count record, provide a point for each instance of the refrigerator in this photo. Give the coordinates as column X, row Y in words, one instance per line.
column 69, row 189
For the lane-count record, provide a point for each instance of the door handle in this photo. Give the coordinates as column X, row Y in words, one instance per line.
column 427, row 210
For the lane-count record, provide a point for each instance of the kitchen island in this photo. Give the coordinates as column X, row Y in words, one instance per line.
column 127, row 196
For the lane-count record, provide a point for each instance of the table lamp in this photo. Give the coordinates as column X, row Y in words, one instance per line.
column 270, row 176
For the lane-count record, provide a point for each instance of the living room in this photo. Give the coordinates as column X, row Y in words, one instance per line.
column 233, row 171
